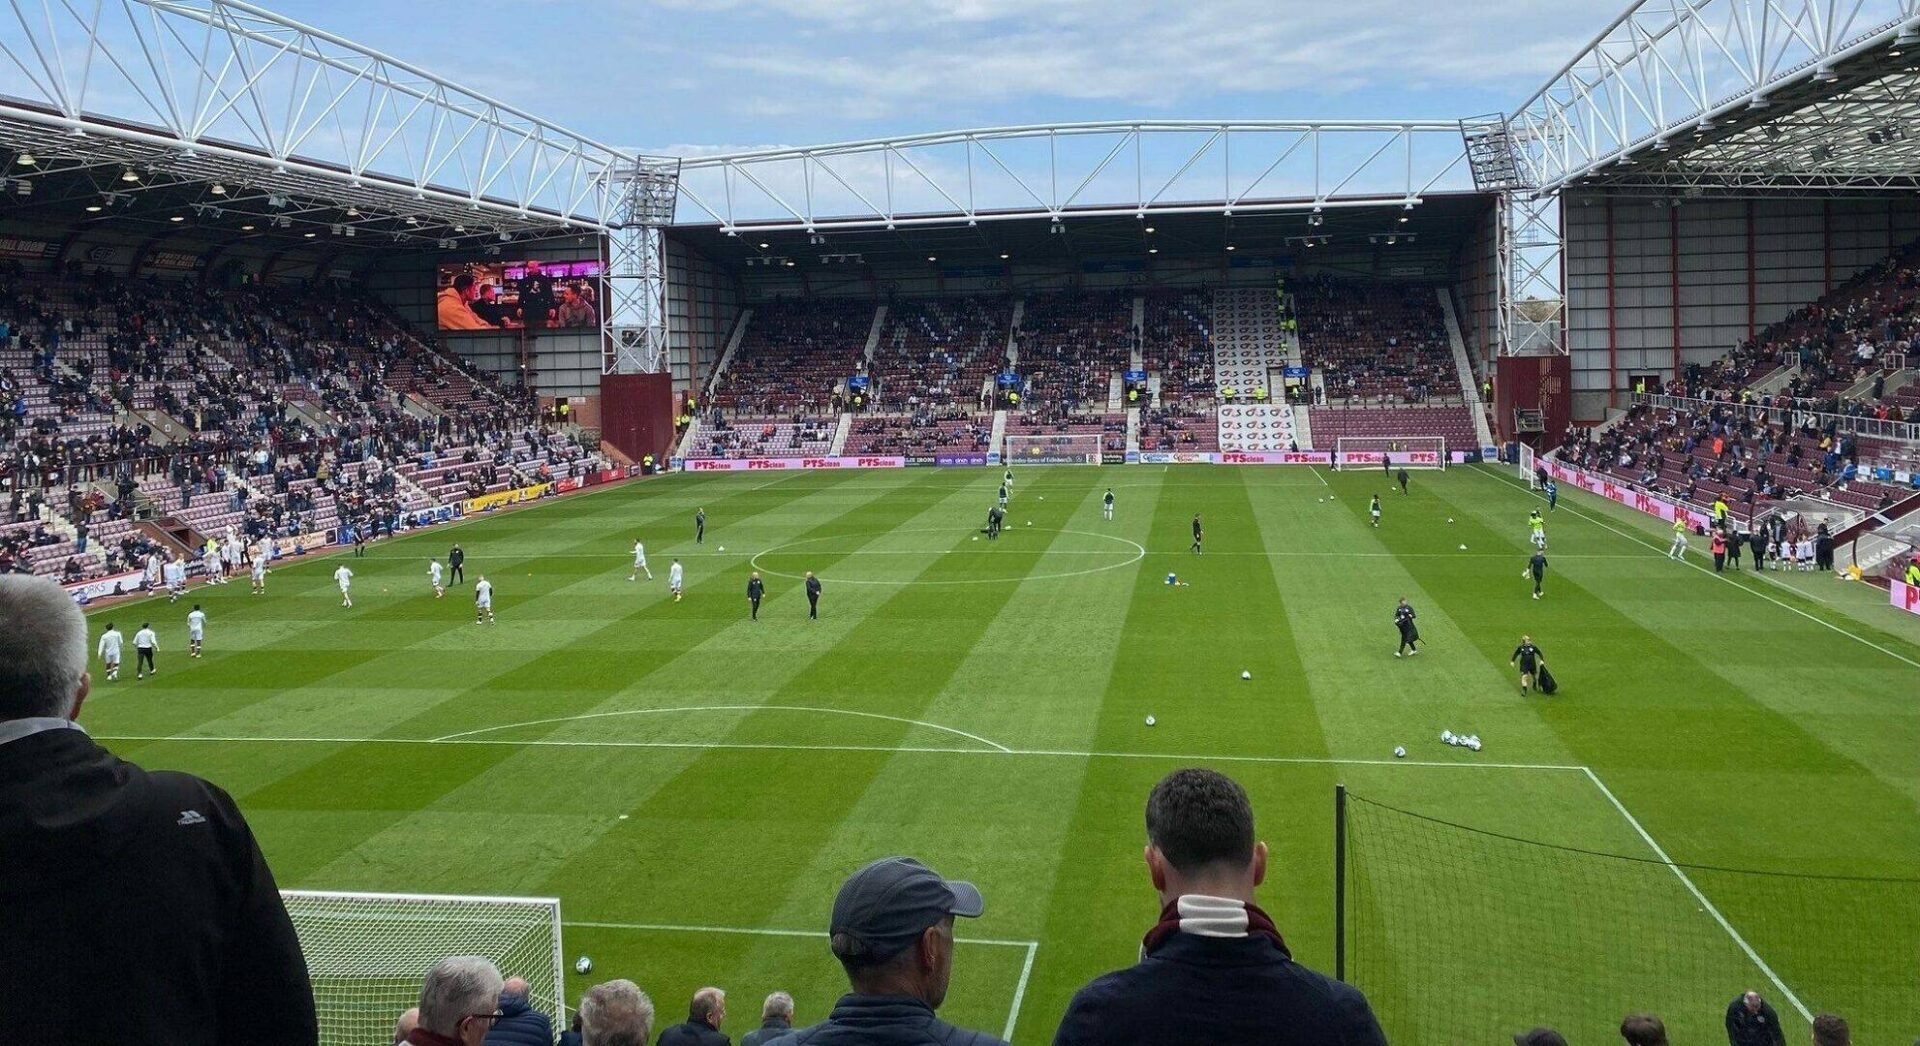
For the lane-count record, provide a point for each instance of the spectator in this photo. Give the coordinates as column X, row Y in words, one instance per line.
column 776, row 1019
column 1831, row 1030
column 519, row 1024
column 705, row 1014
column 1752, row 1022
column 892, row 931
column 409, row 1020
column 142, row 930
column 1214, row 968
column 1540, row 1037
column 616, row 1013
column 1643, row 1029
column 459, row 1001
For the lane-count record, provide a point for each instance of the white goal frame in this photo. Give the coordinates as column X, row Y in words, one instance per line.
column 1412, row 452
column 1527, row 463
column 367, row 953
column 1055, row 448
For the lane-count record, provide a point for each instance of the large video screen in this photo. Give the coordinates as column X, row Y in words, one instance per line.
column 519, row 295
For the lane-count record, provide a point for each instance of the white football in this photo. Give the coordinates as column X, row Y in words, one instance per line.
column 1149, row 720
column 1043, row 497
column 1029, row 522
column 1244, row 674
column 723, row 548
column 583, row 965
column 1463, row 548
column 1449, row 519
column 976, row 537
column 1399, row 752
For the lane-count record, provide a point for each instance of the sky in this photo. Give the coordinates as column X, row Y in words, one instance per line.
column 698, row 76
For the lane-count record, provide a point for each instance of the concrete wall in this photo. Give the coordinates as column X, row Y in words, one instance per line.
column 1651, row 286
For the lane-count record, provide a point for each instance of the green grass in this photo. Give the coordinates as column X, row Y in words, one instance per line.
column 653, row 763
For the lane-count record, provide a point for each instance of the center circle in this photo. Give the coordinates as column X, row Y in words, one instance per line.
column 1133, row 550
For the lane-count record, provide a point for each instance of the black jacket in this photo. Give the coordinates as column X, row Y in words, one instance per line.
column 136, row 907
column 756, row 588
column 520, row 1025
column 813, row 592
column 1753, row 1029
column 772, row 1028
column 1241, row 990
column 885, row 1020
column 693, row 1033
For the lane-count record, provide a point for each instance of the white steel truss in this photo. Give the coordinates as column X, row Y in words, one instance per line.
column 206, row 90
column 638, row 199
column 1137, row 168
column 1668, row 75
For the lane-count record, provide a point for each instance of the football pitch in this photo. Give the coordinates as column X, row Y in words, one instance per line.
column 694, row 785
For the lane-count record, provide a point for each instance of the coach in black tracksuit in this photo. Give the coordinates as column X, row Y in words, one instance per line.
column 1409, row 634
column 813, row 596
column 756, row 589
column 455, row 557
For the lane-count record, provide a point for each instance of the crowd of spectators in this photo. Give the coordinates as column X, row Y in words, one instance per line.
column 1375, row 341
column 1176, row 343
column 792, row 356
column 923, row 431
column 1178, row 427
column 939, row 352
column 1072, row 345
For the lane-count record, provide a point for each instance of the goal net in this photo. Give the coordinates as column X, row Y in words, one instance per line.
column 1527, row 464
column 1413, row 452
column 367, row 953
column 1077, row 448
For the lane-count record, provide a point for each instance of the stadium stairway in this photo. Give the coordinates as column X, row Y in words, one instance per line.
column 998, row 440
column 1302, row 428
column 873, row 343
column 1137, row 360
column 1133, row 430
column 1013, row 346
column 726, row 357
column 842, row 431
column 1469, row 385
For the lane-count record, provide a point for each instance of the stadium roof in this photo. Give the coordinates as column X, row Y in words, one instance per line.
column 1383, row 231
column 223, row 114
column 1729, row 96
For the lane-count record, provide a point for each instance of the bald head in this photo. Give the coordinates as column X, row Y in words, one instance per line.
column 515, row 986
column 405, row 1025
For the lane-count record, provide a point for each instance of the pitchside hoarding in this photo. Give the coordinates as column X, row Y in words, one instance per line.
column 788, row 464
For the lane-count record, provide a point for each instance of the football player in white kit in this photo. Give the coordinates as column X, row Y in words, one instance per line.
column 109, row 650
column 345, row 577
column 676, row 579
column 434, row 575
column 196, row 630
column 640, row 562
column 483, row 601
column 260, row 569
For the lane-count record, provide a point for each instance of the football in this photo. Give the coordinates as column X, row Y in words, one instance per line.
column 1399, row 752
column 1149, row 720
column 723, row 548
column 1244, row 674
column 583, row 965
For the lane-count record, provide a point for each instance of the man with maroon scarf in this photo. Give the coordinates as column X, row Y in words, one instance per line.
column 1214, row 968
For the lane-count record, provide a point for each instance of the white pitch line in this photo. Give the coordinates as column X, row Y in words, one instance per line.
column 1020, row 992
column 1039, row 753
column 722, row 708
column 1315, row 469
column 1638, row 540
column 754, row 931
column 1686, row 881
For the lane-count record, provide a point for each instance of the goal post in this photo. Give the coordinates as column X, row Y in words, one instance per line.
column 1413, row 452
column 1527, row 463
column 1064, row 448
column 367, row 953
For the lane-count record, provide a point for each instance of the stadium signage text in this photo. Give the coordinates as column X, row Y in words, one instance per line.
column 1638, row 500
column 1905, row 597
column 785, row 464
column 1274, row 457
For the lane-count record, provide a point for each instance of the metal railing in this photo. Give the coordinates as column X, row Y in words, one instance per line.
column 1792, row 416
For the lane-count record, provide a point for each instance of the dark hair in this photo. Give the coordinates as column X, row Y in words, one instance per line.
column 463, row 281
column 1643, row 1029
column 1831, row 1030
column 1200, row 817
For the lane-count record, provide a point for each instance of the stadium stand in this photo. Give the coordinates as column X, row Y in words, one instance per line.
column 939, row 352
column 1176, row 344
column 1072, row 347
column 792, row 356
column 926, row 431
column 1375, row 342
column 1250, row 338
column 1111, row 428
column 1452, row 423
column 1180, row 429
column 747, row 437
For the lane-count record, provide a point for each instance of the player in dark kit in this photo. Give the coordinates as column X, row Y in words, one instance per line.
column 455, row 557
column 1402, row 477
column 1403, row 620
column 1553, row 495
column 1197, row 534
column 1530, row 660
column 699, row 526
column 994, row 517
column 813, row 597
column 1537, row 569
column 756, row 589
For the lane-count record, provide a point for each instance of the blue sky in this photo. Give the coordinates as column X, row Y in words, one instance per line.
column 692, row 76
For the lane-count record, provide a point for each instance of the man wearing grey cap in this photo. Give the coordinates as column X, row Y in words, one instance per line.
column 893, row 932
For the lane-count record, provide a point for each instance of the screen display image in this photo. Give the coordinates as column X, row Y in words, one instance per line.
column 519, row 295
